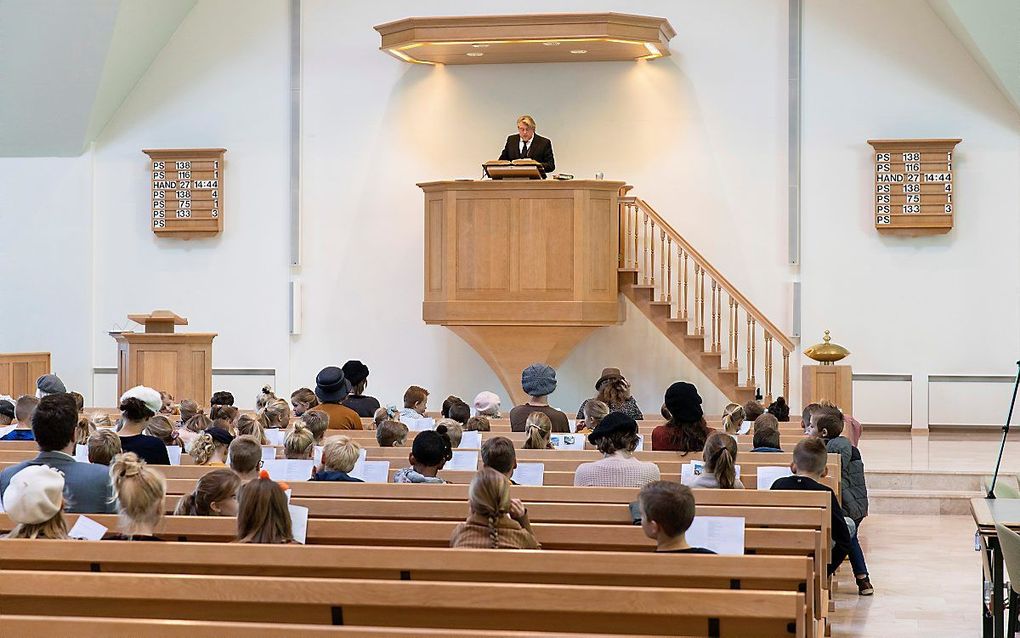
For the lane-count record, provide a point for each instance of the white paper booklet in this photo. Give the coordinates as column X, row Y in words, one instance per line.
column 529, row 474
column 289, row 470
column 721, row 534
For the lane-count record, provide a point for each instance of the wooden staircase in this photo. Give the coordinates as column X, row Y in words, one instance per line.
column 675, row 302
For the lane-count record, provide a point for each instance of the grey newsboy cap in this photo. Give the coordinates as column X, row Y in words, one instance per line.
column 50, row 384
column 538, row 380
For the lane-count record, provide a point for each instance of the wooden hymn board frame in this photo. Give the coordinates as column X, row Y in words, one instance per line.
column 187, row 192
column 914, row 192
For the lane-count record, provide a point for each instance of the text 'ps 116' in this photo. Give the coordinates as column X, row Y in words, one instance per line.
column 187, row 192
column 914, row 190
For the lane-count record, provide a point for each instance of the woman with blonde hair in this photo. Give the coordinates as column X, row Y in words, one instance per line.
column 215, row 494
column 265, row 397
column 538, row 429
column 275, row 415
column 593, row 411
column 34, row 501
column 496, row 521
column 210, row 448
column 733, row 418
column 248, row 425
column 262, row 513
column 300, row 443
column 138, row 491
column 720, row 464
column 303, row 400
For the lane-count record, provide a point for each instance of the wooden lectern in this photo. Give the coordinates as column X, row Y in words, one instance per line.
column 832, row 382
column 178, row 363
column 524, row 270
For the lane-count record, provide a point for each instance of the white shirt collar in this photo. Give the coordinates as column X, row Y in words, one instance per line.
column 520, row 144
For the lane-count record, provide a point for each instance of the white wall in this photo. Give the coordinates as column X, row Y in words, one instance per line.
column 701, row 135
column 946, row 304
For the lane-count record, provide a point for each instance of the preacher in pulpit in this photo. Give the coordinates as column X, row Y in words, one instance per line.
column 527, row 144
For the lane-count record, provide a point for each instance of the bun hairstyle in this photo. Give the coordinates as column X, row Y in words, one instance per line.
column 454, row 430
column 306, row 396
column 478, row 424
column 733, row 416
column 135, row 410
column 721, row 458
column 318, row 422
column 198, row 423
column 432, row 448
column 262, row 514
column 275, row 414
column 265, row 397
column 248, row 425
column 160, row 427
column 188, row 409
column 614, row 392
column 223, row 416
column 299, row 442
column 221, row 398
column 205, row 446
column 489, row 496
column 138, row 491
column 538, row 429
column 780, row 410
column 83, row 430
column 460, row 412
column 213, row 487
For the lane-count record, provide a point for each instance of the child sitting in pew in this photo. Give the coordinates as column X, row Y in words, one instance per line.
column 415, row 402
column 538, row 428
column 496, row 520
column 720, row 464
column 23, row 409
column 163, row 429
column 6, row 411
column 460, row 412
column 262, row 513
column 245, row 454
column 188, row 409
column 317, row 423
column 499, row 454
column 667, row 512
column 104, row 445
column 299, row 444
column 809, row 461
column 384, row 414
column 215, row 494
column 478, row 424
column 391, row 434
column 339, row 456
column 210, row 448
column 766, row 440
column 430, row 451
column 248, row 425
column 224, row 416
column 454, row 430
column 83, row 430
column 139, row 492
column 34, row 501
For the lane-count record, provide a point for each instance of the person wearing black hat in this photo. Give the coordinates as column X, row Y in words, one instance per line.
column 357, row 373
column 614, row 390
column 686, row 430
column 616, row 436
column 331, row 388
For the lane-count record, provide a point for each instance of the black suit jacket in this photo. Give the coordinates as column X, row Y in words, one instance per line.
column 539, row 149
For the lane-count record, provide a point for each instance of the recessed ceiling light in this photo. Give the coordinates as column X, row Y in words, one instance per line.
column 578, row 51
column 475, row 54
column 551, row 44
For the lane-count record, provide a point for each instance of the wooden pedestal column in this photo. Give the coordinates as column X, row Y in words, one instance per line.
column 523, row 271
column 178, row 363
column 831, row 382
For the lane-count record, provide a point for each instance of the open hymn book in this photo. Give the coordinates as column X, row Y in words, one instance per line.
column 524, row 168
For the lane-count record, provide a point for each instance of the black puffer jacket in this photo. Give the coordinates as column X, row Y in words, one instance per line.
column 852, row 487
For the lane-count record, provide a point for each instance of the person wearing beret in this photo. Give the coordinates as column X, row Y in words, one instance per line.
column 357, row 374
column 331, row 388
column 539, row 381
column 614, row 390
column 686, row 430
column 616, row 436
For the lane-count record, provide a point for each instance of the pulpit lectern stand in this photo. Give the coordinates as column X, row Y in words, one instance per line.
column 178, row 363
column 524, row 168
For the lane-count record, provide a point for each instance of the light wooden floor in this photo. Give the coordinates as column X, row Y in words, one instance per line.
column 927, row 580
column 952, row 452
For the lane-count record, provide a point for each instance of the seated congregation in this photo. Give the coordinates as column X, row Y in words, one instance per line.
column 119, row 470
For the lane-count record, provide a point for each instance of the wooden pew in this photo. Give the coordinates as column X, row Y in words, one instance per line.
column 779, row 573
column 530, row 607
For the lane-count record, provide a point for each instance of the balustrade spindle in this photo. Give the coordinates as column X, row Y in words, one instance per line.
column 669, row 272
column 651, row 256
column 717, row 331
column 697, row 297
column 683, row 299
column 635, row 228
column 731, row 345
column 747, row 360
column 715, row 318
column 754, row 341
column 624, row 235
column 663, row 284
column 644, row 248
column 701, row 308
column 768, row 368
column 786, row 374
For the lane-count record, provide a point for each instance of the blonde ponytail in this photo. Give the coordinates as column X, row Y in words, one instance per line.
column 732, row 418
column 138, row 491
column 721, row 458
column 538, row 429
column 299, row 442
column 202, row 449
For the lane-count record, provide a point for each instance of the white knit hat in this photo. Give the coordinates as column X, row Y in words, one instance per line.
column 34, row 495
column 148, row 396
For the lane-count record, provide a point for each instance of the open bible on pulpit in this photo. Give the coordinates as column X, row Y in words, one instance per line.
column 524, row 168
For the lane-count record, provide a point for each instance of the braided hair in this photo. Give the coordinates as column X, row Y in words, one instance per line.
column 489, row 496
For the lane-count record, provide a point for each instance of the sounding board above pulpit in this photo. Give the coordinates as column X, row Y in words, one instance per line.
column 521, row 270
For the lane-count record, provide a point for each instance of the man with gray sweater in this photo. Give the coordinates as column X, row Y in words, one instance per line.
column 87, row 487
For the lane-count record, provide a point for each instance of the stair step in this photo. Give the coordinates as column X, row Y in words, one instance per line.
column 631, row 270
column 662, row 303
column 643, row 287
column 932, row 502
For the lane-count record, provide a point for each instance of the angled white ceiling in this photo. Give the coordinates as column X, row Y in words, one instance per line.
column 990, row 30
column 66, row 65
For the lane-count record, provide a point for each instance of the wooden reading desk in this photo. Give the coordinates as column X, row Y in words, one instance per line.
column 986, row 513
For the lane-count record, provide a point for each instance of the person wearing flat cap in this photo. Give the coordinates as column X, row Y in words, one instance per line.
column 137, row 406
column 616, row 436
column 539, row 381
column 357, row 374
column 614, row 390
column 49, row 384
column 88, row 486
column 34, row 502
column 331, row 388
column 686, row 430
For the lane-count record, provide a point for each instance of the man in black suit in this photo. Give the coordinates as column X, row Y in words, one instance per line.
column 527, row 144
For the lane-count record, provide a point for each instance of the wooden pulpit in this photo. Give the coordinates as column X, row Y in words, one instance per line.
column 19, row 372
column 178, row 363
column 522, row 270
column 829, row 382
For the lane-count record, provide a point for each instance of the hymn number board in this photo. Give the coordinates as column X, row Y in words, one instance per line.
column 914, row 188
column 187, row 192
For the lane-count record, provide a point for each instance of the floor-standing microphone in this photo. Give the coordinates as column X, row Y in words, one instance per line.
column 1005, row 431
